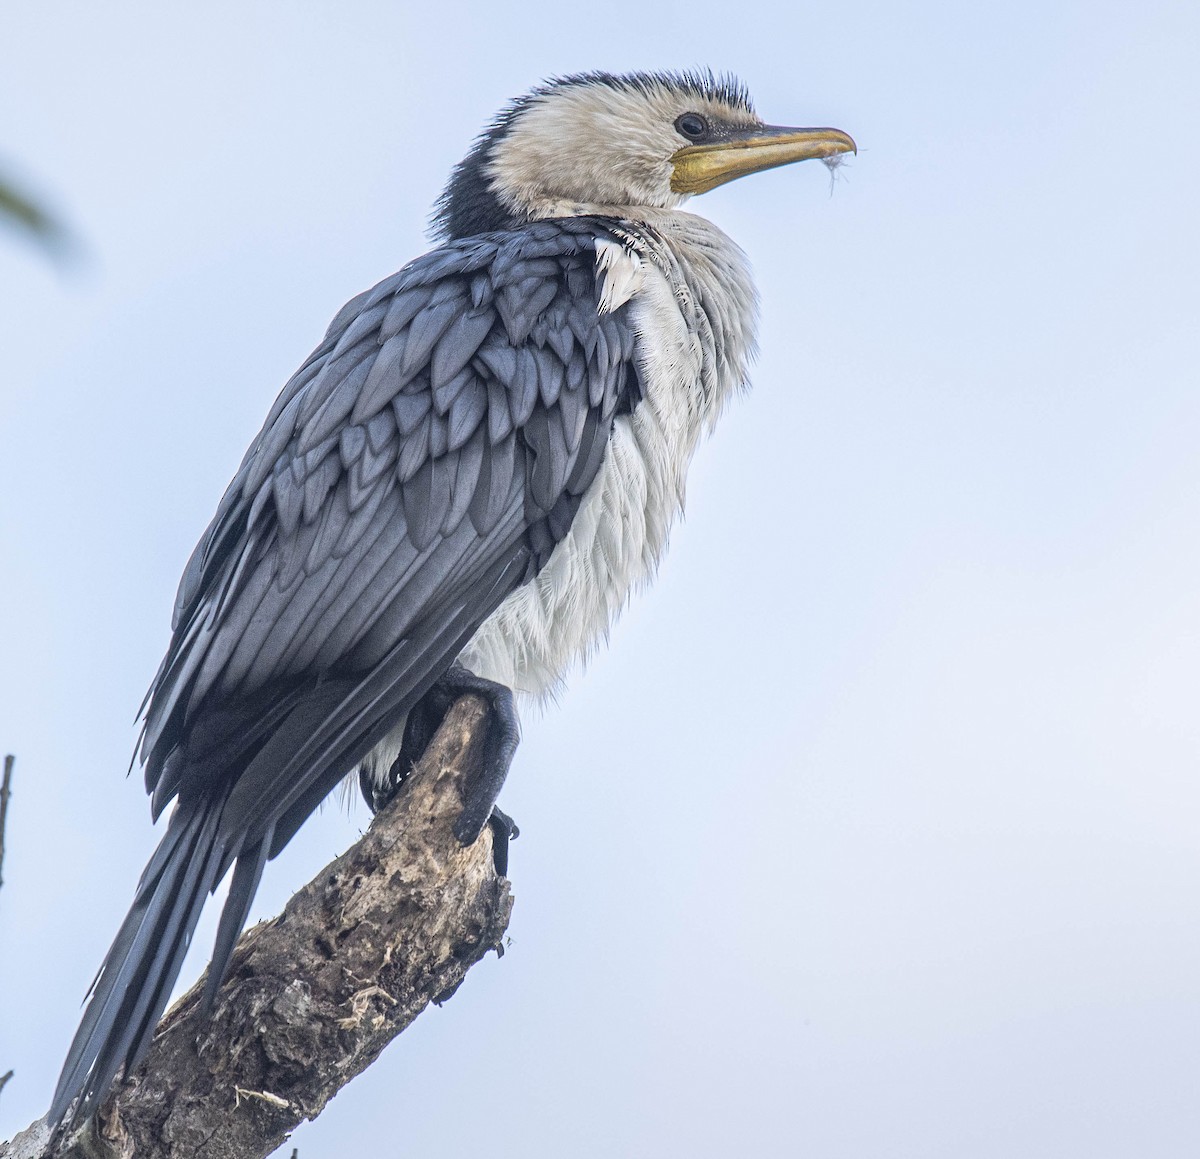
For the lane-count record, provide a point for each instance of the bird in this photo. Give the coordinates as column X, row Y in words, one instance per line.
column 457, row 491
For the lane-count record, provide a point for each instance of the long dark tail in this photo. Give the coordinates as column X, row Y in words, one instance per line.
column 134, row 984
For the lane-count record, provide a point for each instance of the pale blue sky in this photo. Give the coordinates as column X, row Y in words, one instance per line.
column 875, row 831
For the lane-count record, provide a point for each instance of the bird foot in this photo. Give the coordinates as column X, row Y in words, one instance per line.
column 500, row 745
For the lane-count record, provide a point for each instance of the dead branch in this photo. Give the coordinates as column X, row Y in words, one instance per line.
column 315, row 995
column 5, row 793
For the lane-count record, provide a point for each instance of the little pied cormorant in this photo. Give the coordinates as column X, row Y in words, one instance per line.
column 458, row 489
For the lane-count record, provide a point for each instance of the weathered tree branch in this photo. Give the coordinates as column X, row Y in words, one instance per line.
column 315, row 995
column 5, row 793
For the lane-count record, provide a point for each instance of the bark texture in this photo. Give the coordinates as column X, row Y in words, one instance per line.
column 314, row 995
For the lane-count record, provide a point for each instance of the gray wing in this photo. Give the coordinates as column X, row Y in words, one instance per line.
column 419, row 466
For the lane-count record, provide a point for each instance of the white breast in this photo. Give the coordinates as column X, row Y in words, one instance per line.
column 619, row 533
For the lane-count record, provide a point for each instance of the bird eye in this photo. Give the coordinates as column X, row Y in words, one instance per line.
column 692, row 125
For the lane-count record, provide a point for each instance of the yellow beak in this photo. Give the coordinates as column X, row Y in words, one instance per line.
column 699, row 168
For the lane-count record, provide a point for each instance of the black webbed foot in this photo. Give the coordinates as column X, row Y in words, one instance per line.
column 503, row 734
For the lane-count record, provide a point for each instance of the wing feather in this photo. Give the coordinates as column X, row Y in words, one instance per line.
column 420, row 464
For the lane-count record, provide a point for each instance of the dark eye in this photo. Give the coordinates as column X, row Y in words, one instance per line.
column 692, row 125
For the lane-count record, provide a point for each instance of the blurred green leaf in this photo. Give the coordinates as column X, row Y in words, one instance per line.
column 20, row 211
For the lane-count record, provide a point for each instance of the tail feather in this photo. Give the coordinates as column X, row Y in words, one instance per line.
column 242, row 889
column 135, row 981
column 115, row 973
column 151, row 999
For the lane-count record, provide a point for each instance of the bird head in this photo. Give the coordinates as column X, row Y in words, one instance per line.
column 600, row 142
